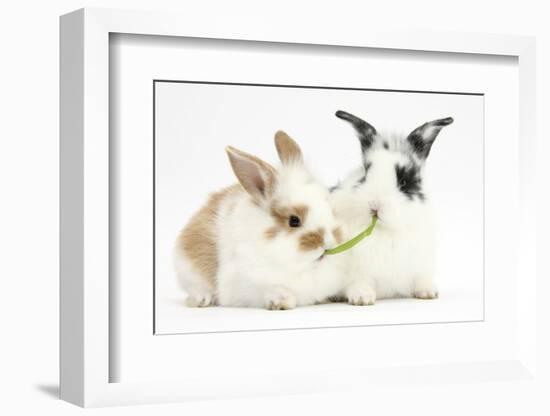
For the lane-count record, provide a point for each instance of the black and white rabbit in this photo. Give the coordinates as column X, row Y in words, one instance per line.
column 398, row 259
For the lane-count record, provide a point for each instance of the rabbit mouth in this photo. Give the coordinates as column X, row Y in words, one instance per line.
column 376, row 213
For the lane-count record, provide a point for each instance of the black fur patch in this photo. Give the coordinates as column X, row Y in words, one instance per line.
column 334, row 188
column 409, row 181
column 364, row 130
column 422, row 138
column 386, row 145
column 419, row 145
column 363, row 178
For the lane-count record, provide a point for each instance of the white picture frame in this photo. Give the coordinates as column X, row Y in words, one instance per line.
column 85, row 265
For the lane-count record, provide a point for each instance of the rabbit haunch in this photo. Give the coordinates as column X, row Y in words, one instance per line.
column 261, row 243
column 398, row 260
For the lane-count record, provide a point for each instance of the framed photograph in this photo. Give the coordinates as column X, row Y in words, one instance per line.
column 288, row 211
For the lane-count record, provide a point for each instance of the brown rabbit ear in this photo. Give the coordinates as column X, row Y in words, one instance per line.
column 288, row 150
column 257, row 177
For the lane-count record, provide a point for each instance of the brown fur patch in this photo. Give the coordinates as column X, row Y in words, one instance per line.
column 281, row 214
column 271, row 232
column 198, row 238
column 312, row 240
column 287, row 148
column 337, row 233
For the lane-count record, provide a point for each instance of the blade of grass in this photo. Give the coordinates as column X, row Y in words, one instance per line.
column 355, row 240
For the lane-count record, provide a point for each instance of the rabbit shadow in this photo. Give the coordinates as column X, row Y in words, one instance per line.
column 51, row 390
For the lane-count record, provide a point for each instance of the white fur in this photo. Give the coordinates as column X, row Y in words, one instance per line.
column 200, row 293
column 398, row 258
column 274, row 273
column 255, row 271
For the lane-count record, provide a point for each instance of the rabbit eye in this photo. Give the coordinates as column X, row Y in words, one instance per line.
column 294, row 221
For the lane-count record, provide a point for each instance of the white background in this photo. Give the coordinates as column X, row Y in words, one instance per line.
column 29, row 173
column 195, row 122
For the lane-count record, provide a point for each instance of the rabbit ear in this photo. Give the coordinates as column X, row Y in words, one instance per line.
column 257, row 177
column 422, row 138
column 288, row 150
column 364, row 130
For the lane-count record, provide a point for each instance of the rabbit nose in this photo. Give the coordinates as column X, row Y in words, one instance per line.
column 374, row 207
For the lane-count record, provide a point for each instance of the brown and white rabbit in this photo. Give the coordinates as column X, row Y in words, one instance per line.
column 260, row 243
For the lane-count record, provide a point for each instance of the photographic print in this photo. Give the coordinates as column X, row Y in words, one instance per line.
column 294, row 207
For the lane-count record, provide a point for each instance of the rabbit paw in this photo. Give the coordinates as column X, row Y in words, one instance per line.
column 201, row 300
column 280, row 298
column 426, row 294
column 360, row 295
column 425, row 289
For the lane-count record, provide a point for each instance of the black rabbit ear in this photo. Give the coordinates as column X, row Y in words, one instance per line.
column 422, row 138
column 364, row 130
